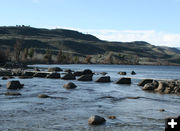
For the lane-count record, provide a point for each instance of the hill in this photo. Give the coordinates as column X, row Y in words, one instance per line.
column 82, row 47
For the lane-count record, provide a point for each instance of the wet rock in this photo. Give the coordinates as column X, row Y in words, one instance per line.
column 5, row 73
column 54, row 69
column 132, row 97
column 145, row 81
column 28, row 73
column 161, row 87
column 104, row 79
column 162, row 110
column 54, row 75
column 14, row 85
column 17, row 72
column 150, row 86
column 43, row 96
column 40, row 74
column 68, row 70
column 84, row 72
column 12, row 94
column 96, row 120
column 133, row 73
column 69, row 76
column 7, row 77
column 112, row 117
column 85, row 78
column 122, row 73
column 70, row 85
column 124, row 80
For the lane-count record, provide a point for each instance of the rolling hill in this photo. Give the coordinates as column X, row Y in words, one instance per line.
column 78, row 44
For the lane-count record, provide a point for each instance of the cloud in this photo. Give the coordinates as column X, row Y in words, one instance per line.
column 151, row 36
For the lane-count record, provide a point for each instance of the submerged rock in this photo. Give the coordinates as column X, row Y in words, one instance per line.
column 124, row 80
column 12, row 94
column 104, row 79
column 85, row 78
column 96, row 120
column 43, row 96
column 70, row 85
column 14, row 85
column 112, row 117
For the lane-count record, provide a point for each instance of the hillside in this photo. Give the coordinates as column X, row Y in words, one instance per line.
column 76, row 44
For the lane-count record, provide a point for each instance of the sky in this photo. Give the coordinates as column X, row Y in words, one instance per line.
column 154, row 21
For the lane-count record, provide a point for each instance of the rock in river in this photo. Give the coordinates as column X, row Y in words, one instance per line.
column 124, row 80
column 122, row 73
column 12, row 94
column 69, row 76
column 96, row 120
column 145, row 81
column 14, row 85
column 85, row 78
column 104, row 79
column 70, row 85
column 54, row 69
column 43, row 96
column 54, row 75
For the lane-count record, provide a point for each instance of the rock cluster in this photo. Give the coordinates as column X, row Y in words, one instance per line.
column 162, row 86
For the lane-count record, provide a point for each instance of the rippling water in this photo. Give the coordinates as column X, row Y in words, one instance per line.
column 70, row 109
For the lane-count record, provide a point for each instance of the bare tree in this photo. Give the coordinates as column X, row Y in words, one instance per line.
column 18, row 49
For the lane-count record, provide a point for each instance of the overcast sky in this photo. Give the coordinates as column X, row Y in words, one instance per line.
column 154, row 21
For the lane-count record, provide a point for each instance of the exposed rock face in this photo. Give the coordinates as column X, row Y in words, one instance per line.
column 124, row 80
column 96, row 120
column 145, row 81
column 69, row 76
column 85, row 78
column 165, row 87
column 133, row 73
column 54, row 69
column 122, row 73
column 14, row 85
column 104, row 79
column 70, row 85
column 54, row 75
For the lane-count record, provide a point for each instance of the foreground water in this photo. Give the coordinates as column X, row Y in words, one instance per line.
column 69, row 110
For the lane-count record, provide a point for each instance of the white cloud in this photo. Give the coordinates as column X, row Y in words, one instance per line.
column 151, row 36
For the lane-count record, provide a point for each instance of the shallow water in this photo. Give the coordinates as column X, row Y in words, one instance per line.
column 70, row 109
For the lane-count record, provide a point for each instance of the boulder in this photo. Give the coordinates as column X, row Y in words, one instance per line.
column 112, row 117
column 161, row 87
column 40, row 74
column 14, row 85
column 70, row 85
column 145, row 81
column 133, row 73
column 5, row 73
column 7, row 77
column 151, row 86
column 25, row 77
column 12, row 94
column 43, row 96
column 85, row 78
column 68, row 70
column 54, row 75
column 78, row 73
column 104, row 79
column 122, row 73
column 54, row 69
column 84, row 72
column 96, row 120
column 68, row 76
column 28, row 73
column 124, row 80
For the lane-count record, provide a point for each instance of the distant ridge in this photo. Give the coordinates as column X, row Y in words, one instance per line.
column 77, row 43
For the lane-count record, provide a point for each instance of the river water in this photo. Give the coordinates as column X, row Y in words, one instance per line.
column 69, row 110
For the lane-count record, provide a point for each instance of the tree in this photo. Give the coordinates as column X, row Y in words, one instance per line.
column 18, row 49
column 31, row 53
column 59, row 57
column 48, row 56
